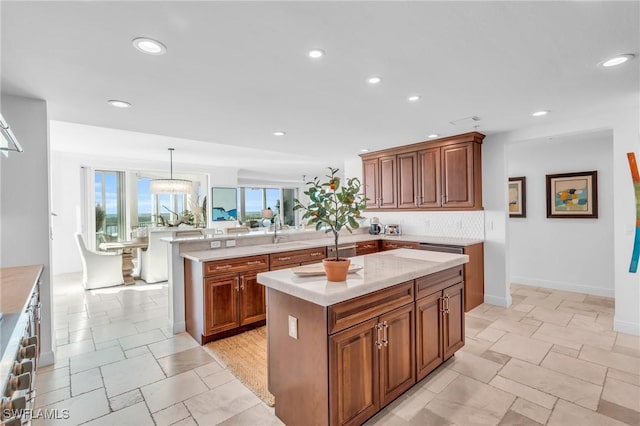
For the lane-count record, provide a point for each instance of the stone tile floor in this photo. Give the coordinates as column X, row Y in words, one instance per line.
column 551, row 358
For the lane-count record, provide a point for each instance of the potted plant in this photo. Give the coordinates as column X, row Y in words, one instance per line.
column 332, row 207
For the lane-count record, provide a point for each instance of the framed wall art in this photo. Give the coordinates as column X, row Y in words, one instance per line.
column 572, row 195
column 518, row 197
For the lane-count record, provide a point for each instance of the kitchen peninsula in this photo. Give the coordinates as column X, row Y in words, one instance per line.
column 339, row 352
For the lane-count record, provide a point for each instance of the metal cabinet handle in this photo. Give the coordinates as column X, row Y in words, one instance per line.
column 224, row 267
column 378, row 338
column 392, row 245
column 284, row 258
column 254, row 262
column 385, row 334
column 441, row 305
column 316, row 254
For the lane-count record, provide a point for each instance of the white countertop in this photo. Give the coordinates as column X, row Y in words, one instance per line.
column 380, row 270
column 267, row 248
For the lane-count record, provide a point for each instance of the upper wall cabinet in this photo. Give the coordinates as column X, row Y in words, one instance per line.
column 444, row 174
column 380, row 182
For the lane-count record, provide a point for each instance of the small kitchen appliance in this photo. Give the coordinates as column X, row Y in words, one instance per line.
column 375, row 228
column 392, row 230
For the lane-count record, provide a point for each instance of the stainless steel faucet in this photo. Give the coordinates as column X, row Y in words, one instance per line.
column 276, row 238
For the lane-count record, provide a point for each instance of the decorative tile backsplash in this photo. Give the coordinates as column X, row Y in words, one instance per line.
column 456, row 224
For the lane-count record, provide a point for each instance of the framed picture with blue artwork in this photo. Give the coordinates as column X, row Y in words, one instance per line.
column 572, row 195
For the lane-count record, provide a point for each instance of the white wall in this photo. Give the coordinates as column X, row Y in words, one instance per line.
column 625, row 123
column 24, row 210
column 568, row 254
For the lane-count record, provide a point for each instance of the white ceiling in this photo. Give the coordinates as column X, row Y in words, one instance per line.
column 237, row 71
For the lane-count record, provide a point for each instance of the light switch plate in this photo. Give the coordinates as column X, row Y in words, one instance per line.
column 293, row 327
column 231, row 243
column 215, row 244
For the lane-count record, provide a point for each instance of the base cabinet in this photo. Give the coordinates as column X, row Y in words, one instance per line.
column 371, row 364
column 366, row 247
column 372, row 348
column 223, row 297
column 439, row 328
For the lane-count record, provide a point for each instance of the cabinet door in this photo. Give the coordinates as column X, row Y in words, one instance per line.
column 397, row 355
column 407, row 184
column 221, row 304
column 354, row 373
column 457, row 165
column 428, row 178
column 253, row 306
column 453, row 319
column 388, row 182
column 370, row 182
column 429, row 351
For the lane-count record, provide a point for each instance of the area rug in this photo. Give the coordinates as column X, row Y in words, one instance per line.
column 245, row 356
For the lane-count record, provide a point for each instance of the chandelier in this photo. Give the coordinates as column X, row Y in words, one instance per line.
column 171, row 185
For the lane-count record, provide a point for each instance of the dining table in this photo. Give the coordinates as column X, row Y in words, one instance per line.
column 126, row 248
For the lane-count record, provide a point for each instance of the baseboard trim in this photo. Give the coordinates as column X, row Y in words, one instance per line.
column 559, row 285
column 178, row 327
column 626, row 327
column 47, row 358
column 505, row 302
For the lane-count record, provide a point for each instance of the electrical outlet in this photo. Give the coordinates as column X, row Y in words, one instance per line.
column 215, row 244
column 231, row 243
column 293, row 327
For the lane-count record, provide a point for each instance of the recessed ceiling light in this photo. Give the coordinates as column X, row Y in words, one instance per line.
column 279, row 133
column 316, row 53
column 414, row 98
column 118, row 103
column 149, row 46
column 433, row 135
column 540, row 113
column 617, row 60
column 365, row 150
column 374, row 80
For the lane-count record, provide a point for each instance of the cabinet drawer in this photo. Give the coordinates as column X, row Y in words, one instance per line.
column 391, row 245
column 240, row 264
column 438, row 281
column 296, row 257
column 351, row 312
column 366, row 247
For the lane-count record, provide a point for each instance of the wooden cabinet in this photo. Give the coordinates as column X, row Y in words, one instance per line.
column 458, row 176
column 439, row 319
column 374, row 364
column 369, row 348
column 473, row 271
column 223, row 297
column 379, row 180
column 289, row 259
column 441, row 174
column 366, row 247
column 419, row 183
column 392, row 245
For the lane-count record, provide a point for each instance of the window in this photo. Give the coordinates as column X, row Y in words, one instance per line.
column 280, row 200
column 109, row 206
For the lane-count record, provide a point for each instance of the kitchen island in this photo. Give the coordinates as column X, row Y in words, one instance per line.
column 339, row 352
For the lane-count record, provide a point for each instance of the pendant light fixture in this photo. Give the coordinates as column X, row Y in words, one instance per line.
column 171, row 185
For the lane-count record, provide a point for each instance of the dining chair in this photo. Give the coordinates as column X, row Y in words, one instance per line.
column 154, row 261
column 99, row 269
